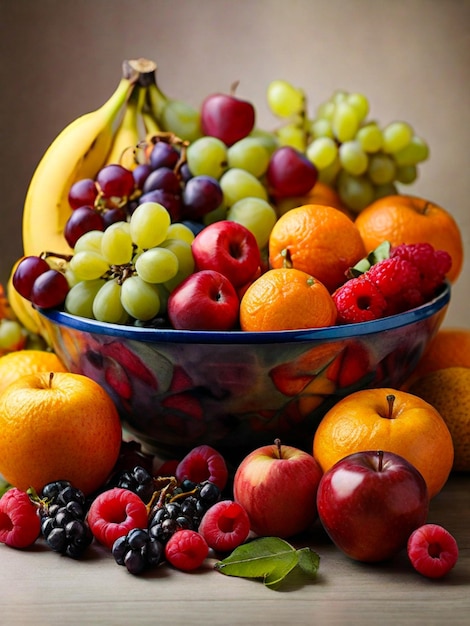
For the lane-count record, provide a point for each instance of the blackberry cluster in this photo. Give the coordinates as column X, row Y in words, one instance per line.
column 184, row 511
column 62, row 514
column 138, row 480
column 137, row 551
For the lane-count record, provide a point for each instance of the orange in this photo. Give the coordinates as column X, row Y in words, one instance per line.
column 321, row 193
column 409, row 219
column 448, row 390
column 390, row 420
column 319, row 240
column 449, row 348
column 57, row 426
column 22, row 362
column 286, row 299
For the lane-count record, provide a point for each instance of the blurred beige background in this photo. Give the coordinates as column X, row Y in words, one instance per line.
column 62, row 58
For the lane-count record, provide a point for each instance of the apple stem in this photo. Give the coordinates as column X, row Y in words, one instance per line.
column 391, row 401
column 380, row 456
column 51, row 376
column 277, row 443
column 234, row 87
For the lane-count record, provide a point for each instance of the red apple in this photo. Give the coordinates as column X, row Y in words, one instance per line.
column 206, row 300
column 277, row 486
column 229, row 248
column 370, row 502
column 227, row 117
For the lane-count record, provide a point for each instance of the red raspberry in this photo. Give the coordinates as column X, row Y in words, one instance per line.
column 113, row 513
column 358, row 300
column 19, row 520
column 399, row 281
column 433, row 265
column 203, row 463
column 432, row 550
column 186, row 550
column 225, row 526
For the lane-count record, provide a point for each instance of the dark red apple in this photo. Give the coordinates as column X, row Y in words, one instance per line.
column 227, row 117
column 277, row 487
column 370, row 502
column 229, row 248
column 290, row 173
column 206, row 300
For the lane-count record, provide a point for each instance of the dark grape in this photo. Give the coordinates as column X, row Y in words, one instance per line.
column 115, row 181
column 163, row 155
column 290, row 173
column 140, row 173
column 81, row 221
column 162, row 178
column 49, row 289
column 171, row 202
column 82, row 193
column 201, row 195
column 26, row 272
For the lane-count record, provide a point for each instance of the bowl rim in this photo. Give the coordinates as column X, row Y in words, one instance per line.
column 169, row 335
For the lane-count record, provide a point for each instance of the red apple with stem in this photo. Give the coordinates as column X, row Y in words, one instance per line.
column 277, row 486
column 229, row 248
column 206, row 300
column 227, row 117
column 370, row 502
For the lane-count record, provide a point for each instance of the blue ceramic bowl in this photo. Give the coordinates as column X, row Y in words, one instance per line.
column 237, row 390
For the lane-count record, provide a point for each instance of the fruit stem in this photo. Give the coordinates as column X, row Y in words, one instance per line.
column 277, row 443
column 51, row 376
column 391, row 401
column 380, row 456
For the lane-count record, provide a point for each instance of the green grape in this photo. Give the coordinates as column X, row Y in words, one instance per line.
column 353, row 158
column 416, row 151
column 216, row 215
column 321, row 128
column 370, row 137
column 255, row 214
column 284, row 99
column 345, row 122
column 183, row 120
column 88, row 265
column 149, row 225
column 355, row 191
column 139, row 298
column 90, row 241
column 79, row 300
column 360, row 104
column 326, row 110
column 116, row 244
column 163, row 295
column 329, row 174
column 382, row 169
column 339, row 95
column 186, row 265
column 177, row 230
column 322, row 152
column 292, row 135
column 237, row 184
column 380, row 191
column 107, row 305
column 396, row 136
column 406, row 174
column 266, row 138
column 207, row 155
column 249, row 154
column 157, row 265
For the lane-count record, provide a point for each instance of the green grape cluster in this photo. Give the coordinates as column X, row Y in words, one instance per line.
column 128, row 271
column 360, row 159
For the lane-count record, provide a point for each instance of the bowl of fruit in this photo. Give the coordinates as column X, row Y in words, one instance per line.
column 214, row 279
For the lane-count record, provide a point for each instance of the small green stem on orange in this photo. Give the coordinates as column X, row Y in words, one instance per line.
column 391, row 401
column 277, row 443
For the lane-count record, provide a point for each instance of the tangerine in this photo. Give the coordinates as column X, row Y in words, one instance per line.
column 319, row 240
column 321, row 193
column 410, row 219
column 58, row 426
column 390, row 420
column 16, row 364
column 286, row 299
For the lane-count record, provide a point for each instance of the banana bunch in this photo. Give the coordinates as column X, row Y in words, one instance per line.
column 112, row 133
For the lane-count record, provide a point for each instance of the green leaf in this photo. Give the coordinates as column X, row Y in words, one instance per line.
column 268, row 558
column 381, row 252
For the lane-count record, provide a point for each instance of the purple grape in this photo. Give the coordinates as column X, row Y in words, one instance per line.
column 49, row 289
column 140, row 173
column 162, row 178
column 110, row 216
column 82, row 193
column 81, row 221
column 26, row 272
column 115, row 181
column 201, row 195
column 163, row 155
column 290, row 173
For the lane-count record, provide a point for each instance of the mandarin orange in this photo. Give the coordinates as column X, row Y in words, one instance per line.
column 22, row 362
column 319, row 240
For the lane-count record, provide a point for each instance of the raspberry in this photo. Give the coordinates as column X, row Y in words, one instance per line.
column 432, row 550
column 225, row 526
column 358, row 300
column 432, row 265
column 19, row 520
column 186, row 550
column 114, row 513
column 399, row 281
column 203, row 463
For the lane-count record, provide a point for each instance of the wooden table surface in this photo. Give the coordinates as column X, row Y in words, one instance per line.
column 40, row 587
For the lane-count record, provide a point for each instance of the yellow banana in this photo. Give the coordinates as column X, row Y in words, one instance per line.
column 79, row 151
column 128, row 134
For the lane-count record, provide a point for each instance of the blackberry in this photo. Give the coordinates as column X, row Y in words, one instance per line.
column 137, row 551
column 62, row 513
column 138, row 480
